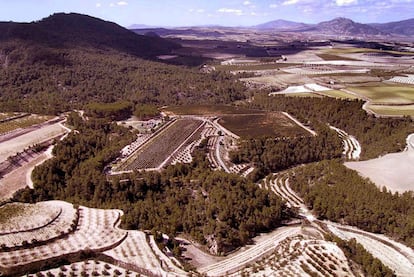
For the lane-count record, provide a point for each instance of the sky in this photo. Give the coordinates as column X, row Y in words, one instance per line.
column 211, row 12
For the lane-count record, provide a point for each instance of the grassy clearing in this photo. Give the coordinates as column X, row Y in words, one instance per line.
column 332, row 57
column 209, row 110
column 393, row 110
column 256, row 125
column 337, row 94
column 387, row 94
column 22, row 123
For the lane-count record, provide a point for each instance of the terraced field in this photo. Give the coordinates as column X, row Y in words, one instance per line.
column 159, row 149
column 352, row 148
column 21, row 122
column 64, row 232
column 396, row 256
column 301, row 255
column 35, row 136
column 36, row 224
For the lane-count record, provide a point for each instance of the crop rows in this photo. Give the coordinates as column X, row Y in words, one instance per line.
column 141, row 139
column 320, row 71
column 134, row 250
column 86, row 268
column 403, row 80
column 95, row 231
column 40, row 214
column 249, row 256
column 184, row 154
column 300, row 256
column 392, row 254
column 352, row 148
column 55, row 224
column 160, row 148
column 23, row 122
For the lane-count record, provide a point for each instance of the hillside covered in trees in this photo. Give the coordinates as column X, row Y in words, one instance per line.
column 213, row 207
column 50, row 67
column 272, row 155
column 378, row 136
column 339, row 194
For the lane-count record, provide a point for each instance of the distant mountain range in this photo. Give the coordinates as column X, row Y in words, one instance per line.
column 338, row 26
column 343, row 26
column 404, row 27
column 281, row 25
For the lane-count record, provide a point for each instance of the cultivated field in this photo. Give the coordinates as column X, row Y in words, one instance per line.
column 396, row 256
column 301, row 255
column 352, row 148
column 21, row 177
column 21, row 122
column 337, row 94
column 159, row 149
column 391, row 170
column 34, row 235
column 255, row 125
column 208, row 110
column 17, row 144
column 34, row 224
column 395, row 110
column 386, row 94
column 87, row 268
column 264, row 246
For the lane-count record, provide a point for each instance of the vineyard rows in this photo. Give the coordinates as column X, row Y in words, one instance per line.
column 161, row 147
column 129, row 149
column 183, row 155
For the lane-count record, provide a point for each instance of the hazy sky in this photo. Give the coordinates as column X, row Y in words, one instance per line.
column 197, row 12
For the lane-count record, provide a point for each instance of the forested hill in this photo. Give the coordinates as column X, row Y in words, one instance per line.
column 66, row 61
column 73, row 30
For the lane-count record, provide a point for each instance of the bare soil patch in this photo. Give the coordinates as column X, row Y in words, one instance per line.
column 394, row 171
column 270, row 124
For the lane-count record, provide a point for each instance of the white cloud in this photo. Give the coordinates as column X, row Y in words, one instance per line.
column 98, row 5
column 290, row 2
column 122, row 3
column 247, row 3
column 233, row 11
column 196, row 10
column 273, row 6
column 345, row 2
column 112, row 5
